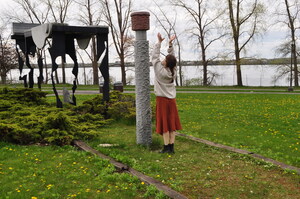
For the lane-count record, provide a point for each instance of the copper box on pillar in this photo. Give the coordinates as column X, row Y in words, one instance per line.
column 140, row 21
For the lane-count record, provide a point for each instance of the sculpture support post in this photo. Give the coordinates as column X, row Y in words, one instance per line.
column 140, row 24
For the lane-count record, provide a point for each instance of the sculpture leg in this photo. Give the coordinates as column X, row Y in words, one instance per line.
column 54, row 68
column 102, row 54
column 57, row 49
column 21, row 65
column 30, row 50
column 41, row 77
column 70, row 50
column 31, row 82
column 24, row 78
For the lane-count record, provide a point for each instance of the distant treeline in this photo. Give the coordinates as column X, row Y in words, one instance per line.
column 275, row 61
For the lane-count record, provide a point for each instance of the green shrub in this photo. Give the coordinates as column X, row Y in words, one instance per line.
column 5, row 105
column 23, row 95
column 26, row 118
column 122, row 110
column 58, row 121
column 58, row 137
column 16, row 134
column 119, row 107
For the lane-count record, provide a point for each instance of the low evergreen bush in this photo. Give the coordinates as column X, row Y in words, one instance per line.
column 27, row 118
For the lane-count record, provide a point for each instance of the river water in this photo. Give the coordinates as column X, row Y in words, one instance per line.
column 252, row 75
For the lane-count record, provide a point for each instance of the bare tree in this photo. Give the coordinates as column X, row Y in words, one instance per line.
column 28, row 11
column 168, row 24
column 285, row 50
column 117, row 16
column 246, row 22
column 90, row 15
column 8, row 58
column 289, row 12
column 203, row 28
column 59, row 9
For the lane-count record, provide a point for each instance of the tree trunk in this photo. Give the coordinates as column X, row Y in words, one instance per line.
column 179, row 64
column 295, row 64
column 123, row 71
column 95, row 63
column 238, row 63
column 123, row 74
column 238, row 70
column 180, row 74
column 84, row 74
column 95, row 73
column 205, row 73
column 204, row 62
column 3, row 79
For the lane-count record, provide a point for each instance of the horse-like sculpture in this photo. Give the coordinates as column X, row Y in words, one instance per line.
column 61, row 39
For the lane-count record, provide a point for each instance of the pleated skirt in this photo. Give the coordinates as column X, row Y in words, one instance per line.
column 167, row 118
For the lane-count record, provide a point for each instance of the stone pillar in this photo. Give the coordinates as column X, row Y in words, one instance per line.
column 140, row 24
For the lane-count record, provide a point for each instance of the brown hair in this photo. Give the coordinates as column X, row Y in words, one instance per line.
column 171, row 63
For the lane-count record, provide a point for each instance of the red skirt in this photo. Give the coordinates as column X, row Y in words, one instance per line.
column 167, row 118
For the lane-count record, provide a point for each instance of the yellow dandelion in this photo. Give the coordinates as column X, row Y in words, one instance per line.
column 142, row 183
column 87, row 190
column 49, row 186
column 98, row 191
column 33, row 197
column 108, row 191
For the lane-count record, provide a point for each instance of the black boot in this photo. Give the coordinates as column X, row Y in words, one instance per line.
column 171, row 147
column 166, row 149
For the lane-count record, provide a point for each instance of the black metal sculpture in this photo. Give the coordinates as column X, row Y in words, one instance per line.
column 63, row 37
column 27, row 46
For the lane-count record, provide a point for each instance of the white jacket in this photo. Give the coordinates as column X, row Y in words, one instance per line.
column 164, row 86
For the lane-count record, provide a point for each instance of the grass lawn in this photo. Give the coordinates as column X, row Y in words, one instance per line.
column 197, row 170
column 266, row 124
column 30, row 172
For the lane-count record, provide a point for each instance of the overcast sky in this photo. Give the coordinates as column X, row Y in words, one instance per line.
column 263, row 47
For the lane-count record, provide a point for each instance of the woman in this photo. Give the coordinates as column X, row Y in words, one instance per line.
column 167, row 119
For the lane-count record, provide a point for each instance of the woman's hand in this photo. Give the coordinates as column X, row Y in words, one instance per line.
column 172, row 39
column 160, row 39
